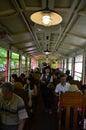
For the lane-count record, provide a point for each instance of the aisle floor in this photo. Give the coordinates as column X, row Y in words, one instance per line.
column 43, row 120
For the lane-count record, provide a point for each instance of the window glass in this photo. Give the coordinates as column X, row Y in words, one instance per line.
column 79, row 58
column 28, row 63
column 61, row 68
column 78, row 67
column 70, row 65
column 60, row 65
column 3, row 56
column 77, row 76
column 23, row 64
column 65, row 65
column 14, row 63
column 3, row 53
column 15, row 56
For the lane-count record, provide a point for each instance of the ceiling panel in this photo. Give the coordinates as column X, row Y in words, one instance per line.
column 31, row 38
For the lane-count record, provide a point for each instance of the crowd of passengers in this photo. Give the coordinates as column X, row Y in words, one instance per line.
column 18, row 97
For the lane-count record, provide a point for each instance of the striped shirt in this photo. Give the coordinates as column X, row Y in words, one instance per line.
column 12, row 112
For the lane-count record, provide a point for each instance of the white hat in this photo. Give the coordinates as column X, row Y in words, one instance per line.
column 73, row 88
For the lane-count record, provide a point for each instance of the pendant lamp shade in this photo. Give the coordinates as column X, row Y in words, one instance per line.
column 46, row 17
column 47, row 52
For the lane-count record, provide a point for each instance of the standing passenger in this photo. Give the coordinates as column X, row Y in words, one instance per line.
column 45, row 82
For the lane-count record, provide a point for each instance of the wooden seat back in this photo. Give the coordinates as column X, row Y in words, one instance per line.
column 21, row 92
column 70, row 102
column 84, row 110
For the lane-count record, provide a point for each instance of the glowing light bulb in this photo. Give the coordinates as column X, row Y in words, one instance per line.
column 46, row 20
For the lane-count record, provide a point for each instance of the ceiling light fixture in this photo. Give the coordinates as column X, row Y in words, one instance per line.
column 46, row 17
column 47, row 52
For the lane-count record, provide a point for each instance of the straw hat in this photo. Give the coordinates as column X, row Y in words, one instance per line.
column 73, row 88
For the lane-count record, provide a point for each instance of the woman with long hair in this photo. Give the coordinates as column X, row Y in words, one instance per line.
column 31, row 89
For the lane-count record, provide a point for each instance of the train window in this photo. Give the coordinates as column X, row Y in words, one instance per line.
column 3, row 55
column 33, row 63
column 14, row 63
column 78, row 67
column 65, row 65
column 28, row 63
column 70, row 65
column 60, row 65
column 23, row 64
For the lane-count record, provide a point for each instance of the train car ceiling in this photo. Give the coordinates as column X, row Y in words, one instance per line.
column 64, row 39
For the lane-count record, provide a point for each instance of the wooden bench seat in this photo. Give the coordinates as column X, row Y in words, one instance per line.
column 70, row 102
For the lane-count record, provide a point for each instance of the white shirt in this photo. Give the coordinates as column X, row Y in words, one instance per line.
column 51, row 78
column 60, row 88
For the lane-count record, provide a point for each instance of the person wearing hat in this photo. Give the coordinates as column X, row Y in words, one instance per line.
column 74, row 88
column 12, row 109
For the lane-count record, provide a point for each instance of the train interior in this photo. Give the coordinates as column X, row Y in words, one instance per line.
column 46, row 43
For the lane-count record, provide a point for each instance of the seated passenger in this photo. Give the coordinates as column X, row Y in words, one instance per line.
column 83, row 88
column 23, row 79
column 16, row 81
column 18, row 85
column 14, row 78
column 12, row 109
column 63, row 86
column 31, row 89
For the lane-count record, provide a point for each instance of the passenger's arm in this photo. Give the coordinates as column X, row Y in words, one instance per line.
column 57, row 94
column 30, row 100
column 35, row 91
column 21, row 124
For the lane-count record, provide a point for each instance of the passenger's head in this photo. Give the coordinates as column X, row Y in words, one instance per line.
column 7, row 90
column 30, row 80
column 22, row 75
column 54, row 76
column 47, row 69
column 14, row 77
column 18, row 85
column 63, row 79
column 67, row 72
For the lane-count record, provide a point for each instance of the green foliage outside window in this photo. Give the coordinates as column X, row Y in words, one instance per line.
column 3, row 55
column 14, row 63
column 15, row 56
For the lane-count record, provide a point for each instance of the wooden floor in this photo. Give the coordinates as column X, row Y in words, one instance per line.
column 43, row 120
